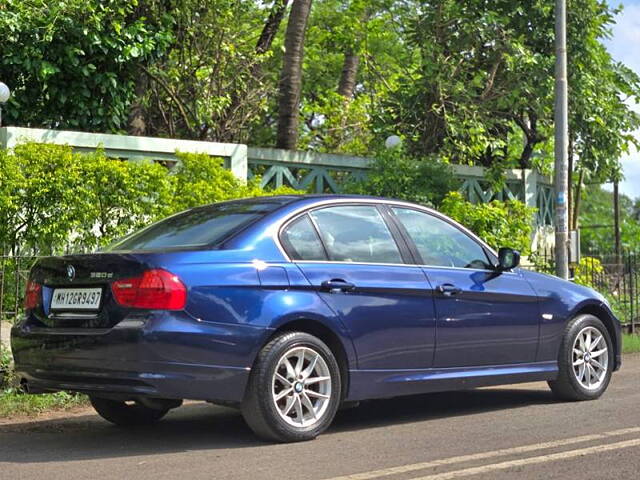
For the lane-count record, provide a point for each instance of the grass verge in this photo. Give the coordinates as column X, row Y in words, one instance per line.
column 630, row 343
column 15, row 404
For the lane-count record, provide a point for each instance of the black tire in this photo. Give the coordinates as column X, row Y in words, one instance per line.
column 567, row 386
column 126, row 415
column 259, row 408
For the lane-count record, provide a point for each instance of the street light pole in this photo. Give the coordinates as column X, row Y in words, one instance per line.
column 561, row 143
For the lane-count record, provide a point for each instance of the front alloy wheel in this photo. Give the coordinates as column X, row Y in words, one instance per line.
column 294, row 389
column 585, row 360
column 590, row 358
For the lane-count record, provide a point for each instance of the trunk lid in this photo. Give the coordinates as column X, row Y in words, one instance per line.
column 78, row 280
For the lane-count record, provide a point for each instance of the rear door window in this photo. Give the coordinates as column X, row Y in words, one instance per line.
column 354, row 233
column 301, row 241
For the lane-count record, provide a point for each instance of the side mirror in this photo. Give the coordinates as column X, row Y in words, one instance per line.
column 508, row 258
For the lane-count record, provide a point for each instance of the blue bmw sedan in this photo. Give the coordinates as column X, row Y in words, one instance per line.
column 289, row 307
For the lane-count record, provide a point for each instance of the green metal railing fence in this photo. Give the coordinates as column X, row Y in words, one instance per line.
column 322, row 173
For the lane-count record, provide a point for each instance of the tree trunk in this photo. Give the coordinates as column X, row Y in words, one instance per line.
column 527, row 152
column 137, row 124
column 228, row 121
column 290, row 85
column 271, row 26
column 347, row 85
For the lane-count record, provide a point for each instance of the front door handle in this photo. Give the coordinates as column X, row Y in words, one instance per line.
column 448, row 290
column 336, row 285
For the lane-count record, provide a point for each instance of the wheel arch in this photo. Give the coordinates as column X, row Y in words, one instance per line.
column 333, row 340
column 612, row 325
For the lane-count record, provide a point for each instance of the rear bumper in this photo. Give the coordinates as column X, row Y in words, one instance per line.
column 161, row 354
column 210, row 383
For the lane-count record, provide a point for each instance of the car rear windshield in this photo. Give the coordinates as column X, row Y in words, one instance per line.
column 196, row 228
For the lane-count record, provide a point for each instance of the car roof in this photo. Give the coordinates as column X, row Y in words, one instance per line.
column 281, row 202
column 290, row 199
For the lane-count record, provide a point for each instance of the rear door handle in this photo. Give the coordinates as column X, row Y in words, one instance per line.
column 448, row 290
column 336, row 285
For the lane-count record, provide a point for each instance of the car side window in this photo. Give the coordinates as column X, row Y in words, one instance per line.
column 356, row 234
column 301, row 242
column 440, row 243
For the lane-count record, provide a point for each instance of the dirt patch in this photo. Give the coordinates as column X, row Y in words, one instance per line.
column 27, row 422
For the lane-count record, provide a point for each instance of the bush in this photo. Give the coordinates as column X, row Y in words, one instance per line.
column 500, row 224
column 396, row 175
column 117, row 197
column 53, row 199
column 39, row 187
column 586, row 270
column 5, row 367
column 200, row 179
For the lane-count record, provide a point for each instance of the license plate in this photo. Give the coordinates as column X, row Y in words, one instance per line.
column 76, row 299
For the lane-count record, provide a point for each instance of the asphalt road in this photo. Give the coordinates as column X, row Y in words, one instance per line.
column 498, row 433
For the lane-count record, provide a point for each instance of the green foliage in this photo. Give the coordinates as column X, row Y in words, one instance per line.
column 14, row 403
column 630, row 343
column 55, row 200
column 5, row 358
column 395, row 174
column 500, row 224
column 468, row 82
column 39, row 190
column 73, row 63
column 7, row 377
column 586, row 270
column 208, row 84
column 368, row 30
column 116, row 197
column 597, row 224
column 200, row 179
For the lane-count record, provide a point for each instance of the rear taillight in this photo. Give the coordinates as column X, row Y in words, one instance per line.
column 32, row 295
column 154, row 289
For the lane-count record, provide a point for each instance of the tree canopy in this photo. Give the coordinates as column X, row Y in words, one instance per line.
column 461, row 81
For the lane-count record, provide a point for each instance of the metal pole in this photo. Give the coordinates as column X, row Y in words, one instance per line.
column 616, row 221
column 561, row 142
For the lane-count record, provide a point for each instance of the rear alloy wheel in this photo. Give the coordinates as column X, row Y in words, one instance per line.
column 126, row 414
column 294, row 389
column 585, row 361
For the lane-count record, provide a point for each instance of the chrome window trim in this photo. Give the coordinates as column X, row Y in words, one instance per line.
column 412, row 265
column 282, row 224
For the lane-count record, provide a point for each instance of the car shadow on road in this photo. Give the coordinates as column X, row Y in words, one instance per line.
column 200, row 426
column 434, row 406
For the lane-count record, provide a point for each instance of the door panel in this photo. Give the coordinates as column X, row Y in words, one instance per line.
column 483, row 317
column 387, row 309
column 492, row 320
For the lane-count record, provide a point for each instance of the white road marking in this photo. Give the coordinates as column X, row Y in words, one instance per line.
column 531, row 460
column 485, row 455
